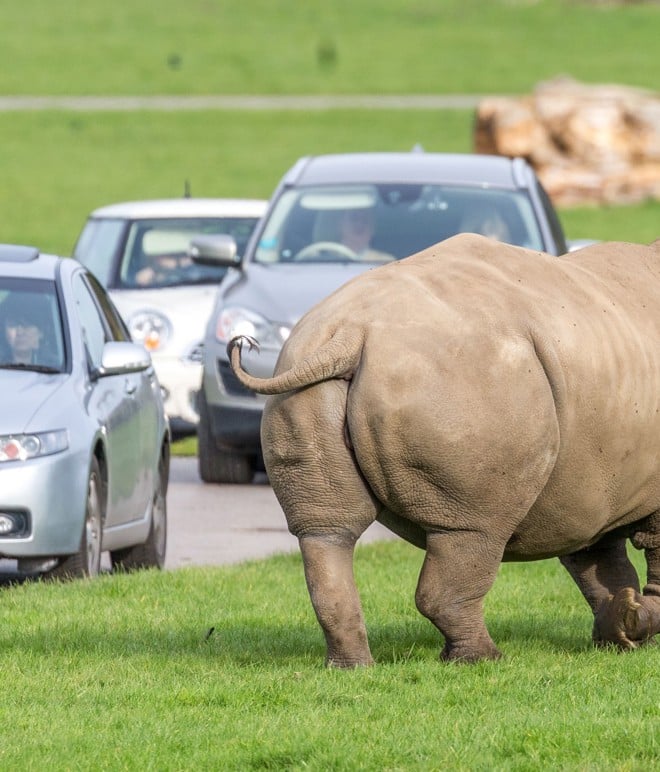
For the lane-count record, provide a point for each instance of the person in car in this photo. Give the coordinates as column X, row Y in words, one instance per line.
column 163, row 269
column 487, row 221
column 23, row 332
column 356, row 229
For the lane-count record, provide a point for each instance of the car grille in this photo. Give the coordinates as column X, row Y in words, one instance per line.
column 231, row 383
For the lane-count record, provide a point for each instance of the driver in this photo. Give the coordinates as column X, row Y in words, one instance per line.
column 163, row 269
column 23, row 331
column 356, row 229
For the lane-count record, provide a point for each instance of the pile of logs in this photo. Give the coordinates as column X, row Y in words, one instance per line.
column 588, row 144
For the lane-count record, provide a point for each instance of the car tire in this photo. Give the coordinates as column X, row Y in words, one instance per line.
column 217, row 466
column 87, row 561
column 151, row 553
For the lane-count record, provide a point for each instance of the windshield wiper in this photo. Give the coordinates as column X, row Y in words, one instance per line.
column 32, row 367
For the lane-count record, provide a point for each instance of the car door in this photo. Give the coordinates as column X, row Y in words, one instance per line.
column 147, row 395
column 118, row 404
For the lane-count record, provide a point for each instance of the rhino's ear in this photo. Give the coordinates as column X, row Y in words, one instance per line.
column 655, row 244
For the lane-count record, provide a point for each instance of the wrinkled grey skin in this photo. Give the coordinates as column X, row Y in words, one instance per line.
column 486, row 403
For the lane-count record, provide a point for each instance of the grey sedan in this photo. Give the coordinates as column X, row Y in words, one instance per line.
column 84, row 440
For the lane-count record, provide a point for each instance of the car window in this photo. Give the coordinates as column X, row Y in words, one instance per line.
column 553, row 220
column 98, row 246
column 95, row 333
column 404, row 219
column 156, row 251
column 115, row 323
column 31, row 331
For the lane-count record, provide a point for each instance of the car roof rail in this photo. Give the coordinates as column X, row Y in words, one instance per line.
column 13, row 253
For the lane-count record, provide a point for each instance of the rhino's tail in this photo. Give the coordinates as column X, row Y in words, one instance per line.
column 334, row 359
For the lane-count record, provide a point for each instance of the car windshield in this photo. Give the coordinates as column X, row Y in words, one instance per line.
column 154, row 252
column 31, row 336
column 384, row 222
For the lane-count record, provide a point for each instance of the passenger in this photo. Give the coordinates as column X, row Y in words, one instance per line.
column 487, row 221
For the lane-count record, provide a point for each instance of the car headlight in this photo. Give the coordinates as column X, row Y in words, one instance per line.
column 20, row 447
column 234, row 321
column 150, row 328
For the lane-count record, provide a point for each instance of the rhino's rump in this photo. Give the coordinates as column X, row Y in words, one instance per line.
column 535, row 403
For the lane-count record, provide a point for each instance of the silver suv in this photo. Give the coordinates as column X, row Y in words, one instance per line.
column 330, row 218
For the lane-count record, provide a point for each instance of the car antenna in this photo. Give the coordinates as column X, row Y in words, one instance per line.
column 186, row 189
column 417, row 148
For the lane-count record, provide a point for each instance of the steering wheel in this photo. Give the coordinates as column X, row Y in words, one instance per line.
column 315, row 250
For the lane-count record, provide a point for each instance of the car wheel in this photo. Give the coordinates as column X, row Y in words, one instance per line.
column 150, row 554
column 87, row 561
column 217, row 466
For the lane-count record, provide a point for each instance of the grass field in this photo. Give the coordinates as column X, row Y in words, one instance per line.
column 58, row 166
column 122, row 673
column 346, row 46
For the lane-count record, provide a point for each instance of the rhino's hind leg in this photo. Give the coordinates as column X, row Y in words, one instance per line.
column 327, row 506
column 459, row 569
column 329, row 574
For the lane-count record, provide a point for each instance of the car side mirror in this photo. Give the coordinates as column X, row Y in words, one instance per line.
column 217, row 250
column 121, row 357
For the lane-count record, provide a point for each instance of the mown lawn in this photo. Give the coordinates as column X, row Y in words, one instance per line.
column 222, row 668
column 342, row 47
column 124, row 673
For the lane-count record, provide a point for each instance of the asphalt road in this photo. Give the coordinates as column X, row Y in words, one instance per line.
column 222, row 524
column 169, row 103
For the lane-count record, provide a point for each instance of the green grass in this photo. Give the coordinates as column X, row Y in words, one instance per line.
column 288, row 46
column 119, row 674
column 57, row 166
column 186, row 446
column 639, row 223
column 122, row 674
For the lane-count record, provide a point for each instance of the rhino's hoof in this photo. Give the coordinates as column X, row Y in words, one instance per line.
column 347, row 663
column 468, row 655
column 621, row 620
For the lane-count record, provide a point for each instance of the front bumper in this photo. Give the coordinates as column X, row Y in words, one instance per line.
column 52, row 492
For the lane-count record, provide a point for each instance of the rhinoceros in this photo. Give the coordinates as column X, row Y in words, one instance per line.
column 487, row 403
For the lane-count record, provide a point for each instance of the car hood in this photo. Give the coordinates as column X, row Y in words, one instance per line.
column 283, row 292
column 25, row 394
